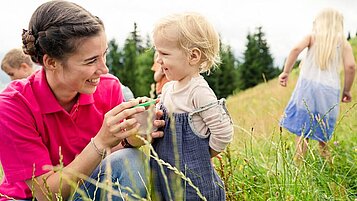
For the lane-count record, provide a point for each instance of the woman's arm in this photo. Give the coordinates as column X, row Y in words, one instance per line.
column 113, row 130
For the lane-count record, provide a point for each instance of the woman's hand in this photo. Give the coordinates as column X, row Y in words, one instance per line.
column 118, row 125
column 157, row 123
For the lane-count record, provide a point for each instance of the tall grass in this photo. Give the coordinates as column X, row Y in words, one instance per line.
column 259, row 165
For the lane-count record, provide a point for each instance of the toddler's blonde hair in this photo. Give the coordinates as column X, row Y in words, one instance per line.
column 328, row 31
column 193, row 31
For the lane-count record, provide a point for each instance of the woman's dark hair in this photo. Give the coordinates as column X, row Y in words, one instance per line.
column 57, row 28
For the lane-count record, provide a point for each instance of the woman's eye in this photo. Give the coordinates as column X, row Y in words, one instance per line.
column 92, row 61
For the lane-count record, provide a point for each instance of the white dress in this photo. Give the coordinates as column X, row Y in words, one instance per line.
column 314, row 105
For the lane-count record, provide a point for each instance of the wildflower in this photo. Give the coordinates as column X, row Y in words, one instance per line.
column 336, row 143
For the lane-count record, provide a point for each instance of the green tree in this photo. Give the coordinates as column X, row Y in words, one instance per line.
column 131, row 51
column 223, row 80
column 114, row 59
column 144, row 75
column 132, row 64
column 258, row 65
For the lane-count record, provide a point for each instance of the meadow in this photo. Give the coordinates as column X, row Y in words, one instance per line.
column 259, row 163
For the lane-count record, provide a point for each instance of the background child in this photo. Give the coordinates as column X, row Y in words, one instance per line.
column 198, row 126
column 159, row 76
column 16, row 64
column 313, row 108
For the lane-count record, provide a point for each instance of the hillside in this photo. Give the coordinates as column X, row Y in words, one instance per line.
column 260, row 165
column 258, row 110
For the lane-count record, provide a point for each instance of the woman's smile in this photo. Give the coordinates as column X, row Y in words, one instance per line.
column 94, row 81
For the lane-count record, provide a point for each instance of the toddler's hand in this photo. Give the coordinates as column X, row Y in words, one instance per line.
column 283, row 79
column 159, row 123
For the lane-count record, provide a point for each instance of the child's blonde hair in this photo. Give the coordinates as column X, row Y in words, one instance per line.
column 328, row 31
column 194, row 31
column 14, row 58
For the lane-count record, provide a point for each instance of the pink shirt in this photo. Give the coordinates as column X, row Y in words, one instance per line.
column 33, row 126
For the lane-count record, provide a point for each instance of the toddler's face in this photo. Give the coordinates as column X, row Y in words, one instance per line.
column 172, row 57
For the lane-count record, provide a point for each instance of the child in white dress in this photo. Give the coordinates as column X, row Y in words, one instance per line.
column 314, row 105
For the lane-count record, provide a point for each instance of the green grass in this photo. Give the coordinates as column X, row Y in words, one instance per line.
column 259, row 164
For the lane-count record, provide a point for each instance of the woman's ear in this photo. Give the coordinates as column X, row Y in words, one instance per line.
column 49, row 63
column 195, row 56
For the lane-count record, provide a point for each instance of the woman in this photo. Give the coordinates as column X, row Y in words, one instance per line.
column 70, row 112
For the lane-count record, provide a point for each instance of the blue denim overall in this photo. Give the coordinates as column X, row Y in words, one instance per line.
column 192, row 158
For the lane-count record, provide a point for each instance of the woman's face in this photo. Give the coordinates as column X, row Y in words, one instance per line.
column 82, row 70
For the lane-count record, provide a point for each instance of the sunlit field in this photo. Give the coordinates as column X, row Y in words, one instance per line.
column 259, row 164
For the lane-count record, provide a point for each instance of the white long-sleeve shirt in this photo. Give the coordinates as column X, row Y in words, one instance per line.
column 195, row 95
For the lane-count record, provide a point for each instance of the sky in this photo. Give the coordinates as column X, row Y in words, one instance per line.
column 284, row 22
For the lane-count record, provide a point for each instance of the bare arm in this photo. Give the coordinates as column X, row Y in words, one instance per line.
column 290, row 61
column 349, row 68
